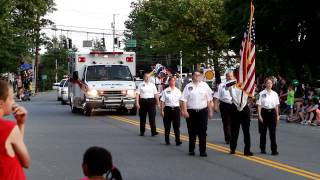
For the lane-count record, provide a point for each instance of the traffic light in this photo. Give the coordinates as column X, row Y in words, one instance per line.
column 115, row 41
column 65, row 43
column 119, row 44
column 69, row 43
column 103, row 42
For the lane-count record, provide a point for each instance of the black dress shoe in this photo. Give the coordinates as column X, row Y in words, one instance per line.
column 248, row 153
column 191, row 153
column 263, row 152
column 167, row 143
column 227, row 142
column 178, row 143
column 204, row 154
column 275, row 153
column 141, row 134
column 154, row 134
column 232, row 151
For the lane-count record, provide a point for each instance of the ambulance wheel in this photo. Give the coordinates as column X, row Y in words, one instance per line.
column 133, row 111
column 73, row 109
column 87, row 111
column 63, row 102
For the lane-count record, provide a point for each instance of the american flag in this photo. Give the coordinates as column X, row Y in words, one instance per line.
column 248, row 55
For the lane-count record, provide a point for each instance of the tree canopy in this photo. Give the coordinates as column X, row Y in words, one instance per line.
column 20, row 23
column 286, row 33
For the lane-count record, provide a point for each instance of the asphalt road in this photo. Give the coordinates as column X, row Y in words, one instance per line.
column 57, row 139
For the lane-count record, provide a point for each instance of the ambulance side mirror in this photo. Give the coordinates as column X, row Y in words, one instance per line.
column 75, row 76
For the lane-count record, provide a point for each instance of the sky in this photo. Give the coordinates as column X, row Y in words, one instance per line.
column 90, row 14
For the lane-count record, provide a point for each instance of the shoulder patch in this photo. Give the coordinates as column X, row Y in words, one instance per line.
column 190, row 88
column 263, row 95
column 168, row 91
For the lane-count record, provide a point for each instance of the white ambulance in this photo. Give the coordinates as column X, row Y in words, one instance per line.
column 102, row 80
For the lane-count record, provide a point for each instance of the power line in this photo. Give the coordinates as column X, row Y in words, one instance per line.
column 78, row 31
column 82, row 27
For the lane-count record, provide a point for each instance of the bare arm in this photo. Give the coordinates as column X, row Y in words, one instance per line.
column 259, row 114
column 216, row 104
column 184, row 110
column 157, row 100
column 210, row 106
column 277, row 113
column 20, row 148
column 162, row 104
column 137, row 100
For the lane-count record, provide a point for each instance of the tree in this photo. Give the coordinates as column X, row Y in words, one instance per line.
column 20, row 23
column 53, row 54
column 191, row 26
column 98, row 45
column 286, row 34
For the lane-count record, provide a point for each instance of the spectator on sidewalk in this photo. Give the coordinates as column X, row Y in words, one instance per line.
column 97, row 165
column 13, row 151
column 312, row 112
column 290, row 101
column 317, row 121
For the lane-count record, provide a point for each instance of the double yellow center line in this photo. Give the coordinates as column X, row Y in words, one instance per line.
column 263, row 161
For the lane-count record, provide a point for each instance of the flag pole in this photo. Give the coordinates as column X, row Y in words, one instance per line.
column 248, row 40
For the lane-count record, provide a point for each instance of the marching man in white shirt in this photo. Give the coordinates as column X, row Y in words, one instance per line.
column 146, row 100
column 225, row 99
column 196, row 102
column 170, row 110
column 268, row 111
column 240, row 115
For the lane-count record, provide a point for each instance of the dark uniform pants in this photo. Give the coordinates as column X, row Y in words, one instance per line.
column 240, row 118
column 147, row 106
column 171, row 115
column 197, row 125
column 269, row 122
column 225, row 110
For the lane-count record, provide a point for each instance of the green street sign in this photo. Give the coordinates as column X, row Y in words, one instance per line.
column 44, row 77
column 131, row 43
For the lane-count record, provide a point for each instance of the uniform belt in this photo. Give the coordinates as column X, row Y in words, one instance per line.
column 172, row 107
column 147, row 99
column 225, row 102
column 268, row 110
column 197, row 110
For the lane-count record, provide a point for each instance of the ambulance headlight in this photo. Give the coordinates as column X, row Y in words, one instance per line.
column 131, row 93
column 92, row 93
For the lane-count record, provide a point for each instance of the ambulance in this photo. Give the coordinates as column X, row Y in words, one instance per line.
column 102, row 80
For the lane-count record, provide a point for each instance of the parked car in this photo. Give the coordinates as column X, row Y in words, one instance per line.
column 55, row 85
column 62, row 82
column 64, row 93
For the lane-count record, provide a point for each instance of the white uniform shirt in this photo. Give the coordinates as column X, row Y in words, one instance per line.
column 268, row 100
column 236, row 94
column 146, row 90
column 196, row 96
column 171, row 97
column 223, row 94
column 157, row 82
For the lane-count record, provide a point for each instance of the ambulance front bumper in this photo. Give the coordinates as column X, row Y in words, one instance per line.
column 110, row 103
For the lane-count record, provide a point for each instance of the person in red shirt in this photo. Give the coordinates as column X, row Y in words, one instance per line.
column 13, row 151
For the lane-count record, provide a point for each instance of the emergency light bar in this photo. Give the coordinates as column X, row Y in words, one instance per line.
column 102, row 52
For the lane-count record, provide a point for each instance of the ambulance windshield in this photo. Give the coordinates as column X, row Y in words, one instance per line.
column 108, row 73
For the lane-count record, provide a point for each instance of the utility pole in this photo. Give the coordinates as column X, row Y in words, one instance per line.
column 56, row 71
column 113, row 25
column 181, row 63
column 36, row 72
